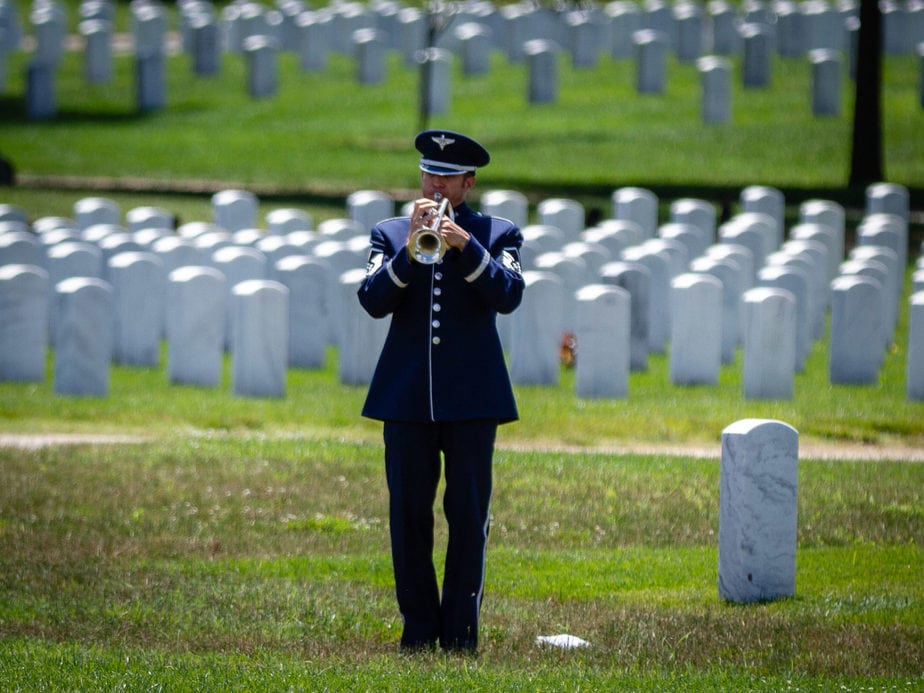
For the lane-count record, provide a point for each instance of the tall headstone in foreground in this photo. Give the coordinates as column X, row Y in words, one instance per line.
column 84, row 337
column 757, row 511
column 603, row 335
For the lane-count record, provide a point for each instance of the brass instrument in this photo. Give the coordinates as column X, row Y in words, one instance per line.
column 426, row 243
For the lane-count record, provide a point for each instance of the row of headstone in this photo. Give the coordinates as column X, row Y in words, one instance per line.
column 367, row 33
column 136, row 259
column 667, row 282
column 707, row 290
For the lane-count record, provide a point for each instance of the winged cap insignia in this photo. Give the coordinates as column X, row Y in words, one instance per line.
column 442, row 141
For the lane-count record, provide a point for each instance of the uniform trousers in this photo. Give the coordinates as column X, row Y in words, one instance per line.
column 412, row 466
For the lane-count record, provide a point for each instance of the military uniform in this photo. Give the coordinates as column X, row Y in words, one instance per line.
column 441, row 386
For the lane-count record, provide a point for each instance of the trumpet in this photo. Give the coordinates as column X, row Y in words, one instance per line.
column 427, row 244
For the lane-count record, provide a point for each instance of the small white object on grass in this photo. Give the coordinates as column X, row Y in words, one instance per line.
column 564, row 641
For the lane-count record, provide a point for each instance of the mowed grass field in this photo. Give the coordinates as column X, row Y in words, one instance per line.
column 242, row 544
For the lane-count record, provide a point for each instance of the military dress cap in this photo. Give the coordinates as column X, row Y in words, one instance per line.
column 447, row 153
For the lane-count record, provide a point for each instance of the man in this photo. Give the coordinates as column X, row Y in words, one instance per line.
column 441, row 387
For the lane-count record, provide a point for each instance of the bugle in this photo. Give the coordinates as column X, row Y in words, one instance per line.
column 427, row 244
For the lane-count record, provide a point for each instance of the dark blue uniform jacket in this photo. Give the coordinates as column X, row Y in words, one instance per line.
column 442, row 359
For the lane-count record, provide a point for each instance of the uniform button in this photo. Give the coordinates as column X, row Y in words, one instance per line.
column 437, row 291
column 437, row 307
column 436, row 324
column 438, row 276
column 436, row 340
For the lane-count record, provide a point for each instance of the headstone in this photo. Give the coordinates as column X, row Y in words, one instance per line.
column 195, row 325
column 150, row 81
column 582, row 41
column 715, row 89
column 41, row 91
column 636, row 279
column 439, row 63
column 313, row 29
column 308, row 282
column 368, row 207
column 826, row 82
column 796, row 281
column 829, row 214
column 238, row 264
column 412, row 33
column 888, row 230
column 731, row 276
column 84, row 337
column 363, row 337
column 475, row 45
column 651, row 48
column 341, row 229
column 754, row 230
column 260, row 338
column 856, row 330
column 205, row 45
column 690, row 236
column 690, row 24
column 175, row 252
column 261, row 53
column 24, row 308
column 509, row 204
column 879, row 272
column 724, row 19
column 763, row 199
column 97, row 36
column 888, row 198
column 700, row 213
column 542, row 65
column 593, row 255
column 892, row 283
column 769, row 343
column 638, row 205
column 625, row 20
column 288, row 220
column 757, row 511
column 234, row 210
column 914, row 365
column 815, row 255
column 20, row 248
column 536, row 330
column 138, row 284
column 602, row 335
column 758, row 55
column 658, row 264
column 568, row 215
column 696, row 332
column 573, row 274
column 138, row 218
column 614, row 235
column 370, row 51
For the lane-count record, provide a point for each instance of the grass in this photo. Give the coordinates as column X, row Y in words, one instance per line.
column 324, row 133
column 244, row 545
column 264, row 564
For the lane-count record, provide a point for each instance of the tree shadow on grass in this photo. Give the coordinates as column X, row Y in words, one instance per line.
column 13, row 112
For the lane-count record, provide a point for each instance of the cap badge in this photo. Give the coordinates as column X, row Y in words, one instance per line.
column 442, row 141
